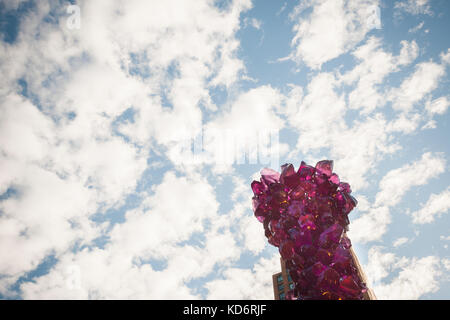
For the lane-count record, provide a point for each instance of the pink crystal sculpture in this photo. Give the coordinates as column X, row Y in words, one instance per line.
column 305, row 215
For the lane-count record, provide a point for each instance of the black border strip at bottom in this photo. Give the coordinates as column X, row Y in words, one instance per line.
column 220, row 309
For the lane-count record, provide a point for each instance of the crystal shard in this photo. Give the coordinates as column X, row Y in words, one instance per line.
column 349, row 285
column 269, row 176
column 257, row 187
column 325, row 167
column 331, row 236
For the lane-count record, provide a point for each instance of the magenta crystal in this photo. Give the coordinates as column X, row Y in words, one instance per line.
column 269, row 176
column 306, row 222
column 329, row 279
column 325, row 167
column 289, row 177
column 257, row 187
column 286, row 171
column 344, row 186
column 318, row 268
column 287, row 249
column 325, row 256
column 260, row 214
column 306, row 172
column 331, row 236
column 299, row 193
column 305, row 215
column 349, row 285
column 303, row 237
column 295, row 209
column 334, row 179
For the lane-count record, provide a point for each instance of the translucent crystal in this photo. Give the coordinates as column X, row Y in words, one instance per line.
column 325, row 167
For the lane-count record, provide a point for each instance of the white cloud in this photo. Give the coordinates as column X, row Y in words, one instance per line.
column 154, row 231
column 408, row 52
column 246, row 130
column 400, row 241
column 318, row 115
column 371, row 226
column 416, row 276
column 246, row 284
column 39, row 222
column 12, row 4
column 445, row 57
column 406, row 123
column 414, row 88
column 431, row 124
column 436, row 205
column 250, row 231
column 399, row 181
column 241, row 190
column 178, row 208
column 414, row 7
column 25, row 133
column 379, row 264
column 419, row 278
column 199, row 49
column 62, row 152
column 363, row 202
column 333, row 28
column 446, row 263
column 252, row 121
column 255, row 23
column 51, row 206
column 358, row 149
column 437, row 106
column 416, row 28
column 375, row 64
column 253, row 233
column 103, row 275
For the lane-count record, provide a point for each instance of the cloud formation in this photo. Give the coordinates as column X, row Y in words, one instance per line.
column 98, row 196
column 331, row 29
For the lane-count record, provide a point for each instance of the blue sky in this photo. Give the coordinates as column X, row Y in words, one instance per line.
column 106, row 191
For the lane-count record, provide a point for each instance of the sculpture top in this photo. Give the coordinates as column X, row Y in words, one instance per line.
column 305, row 215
